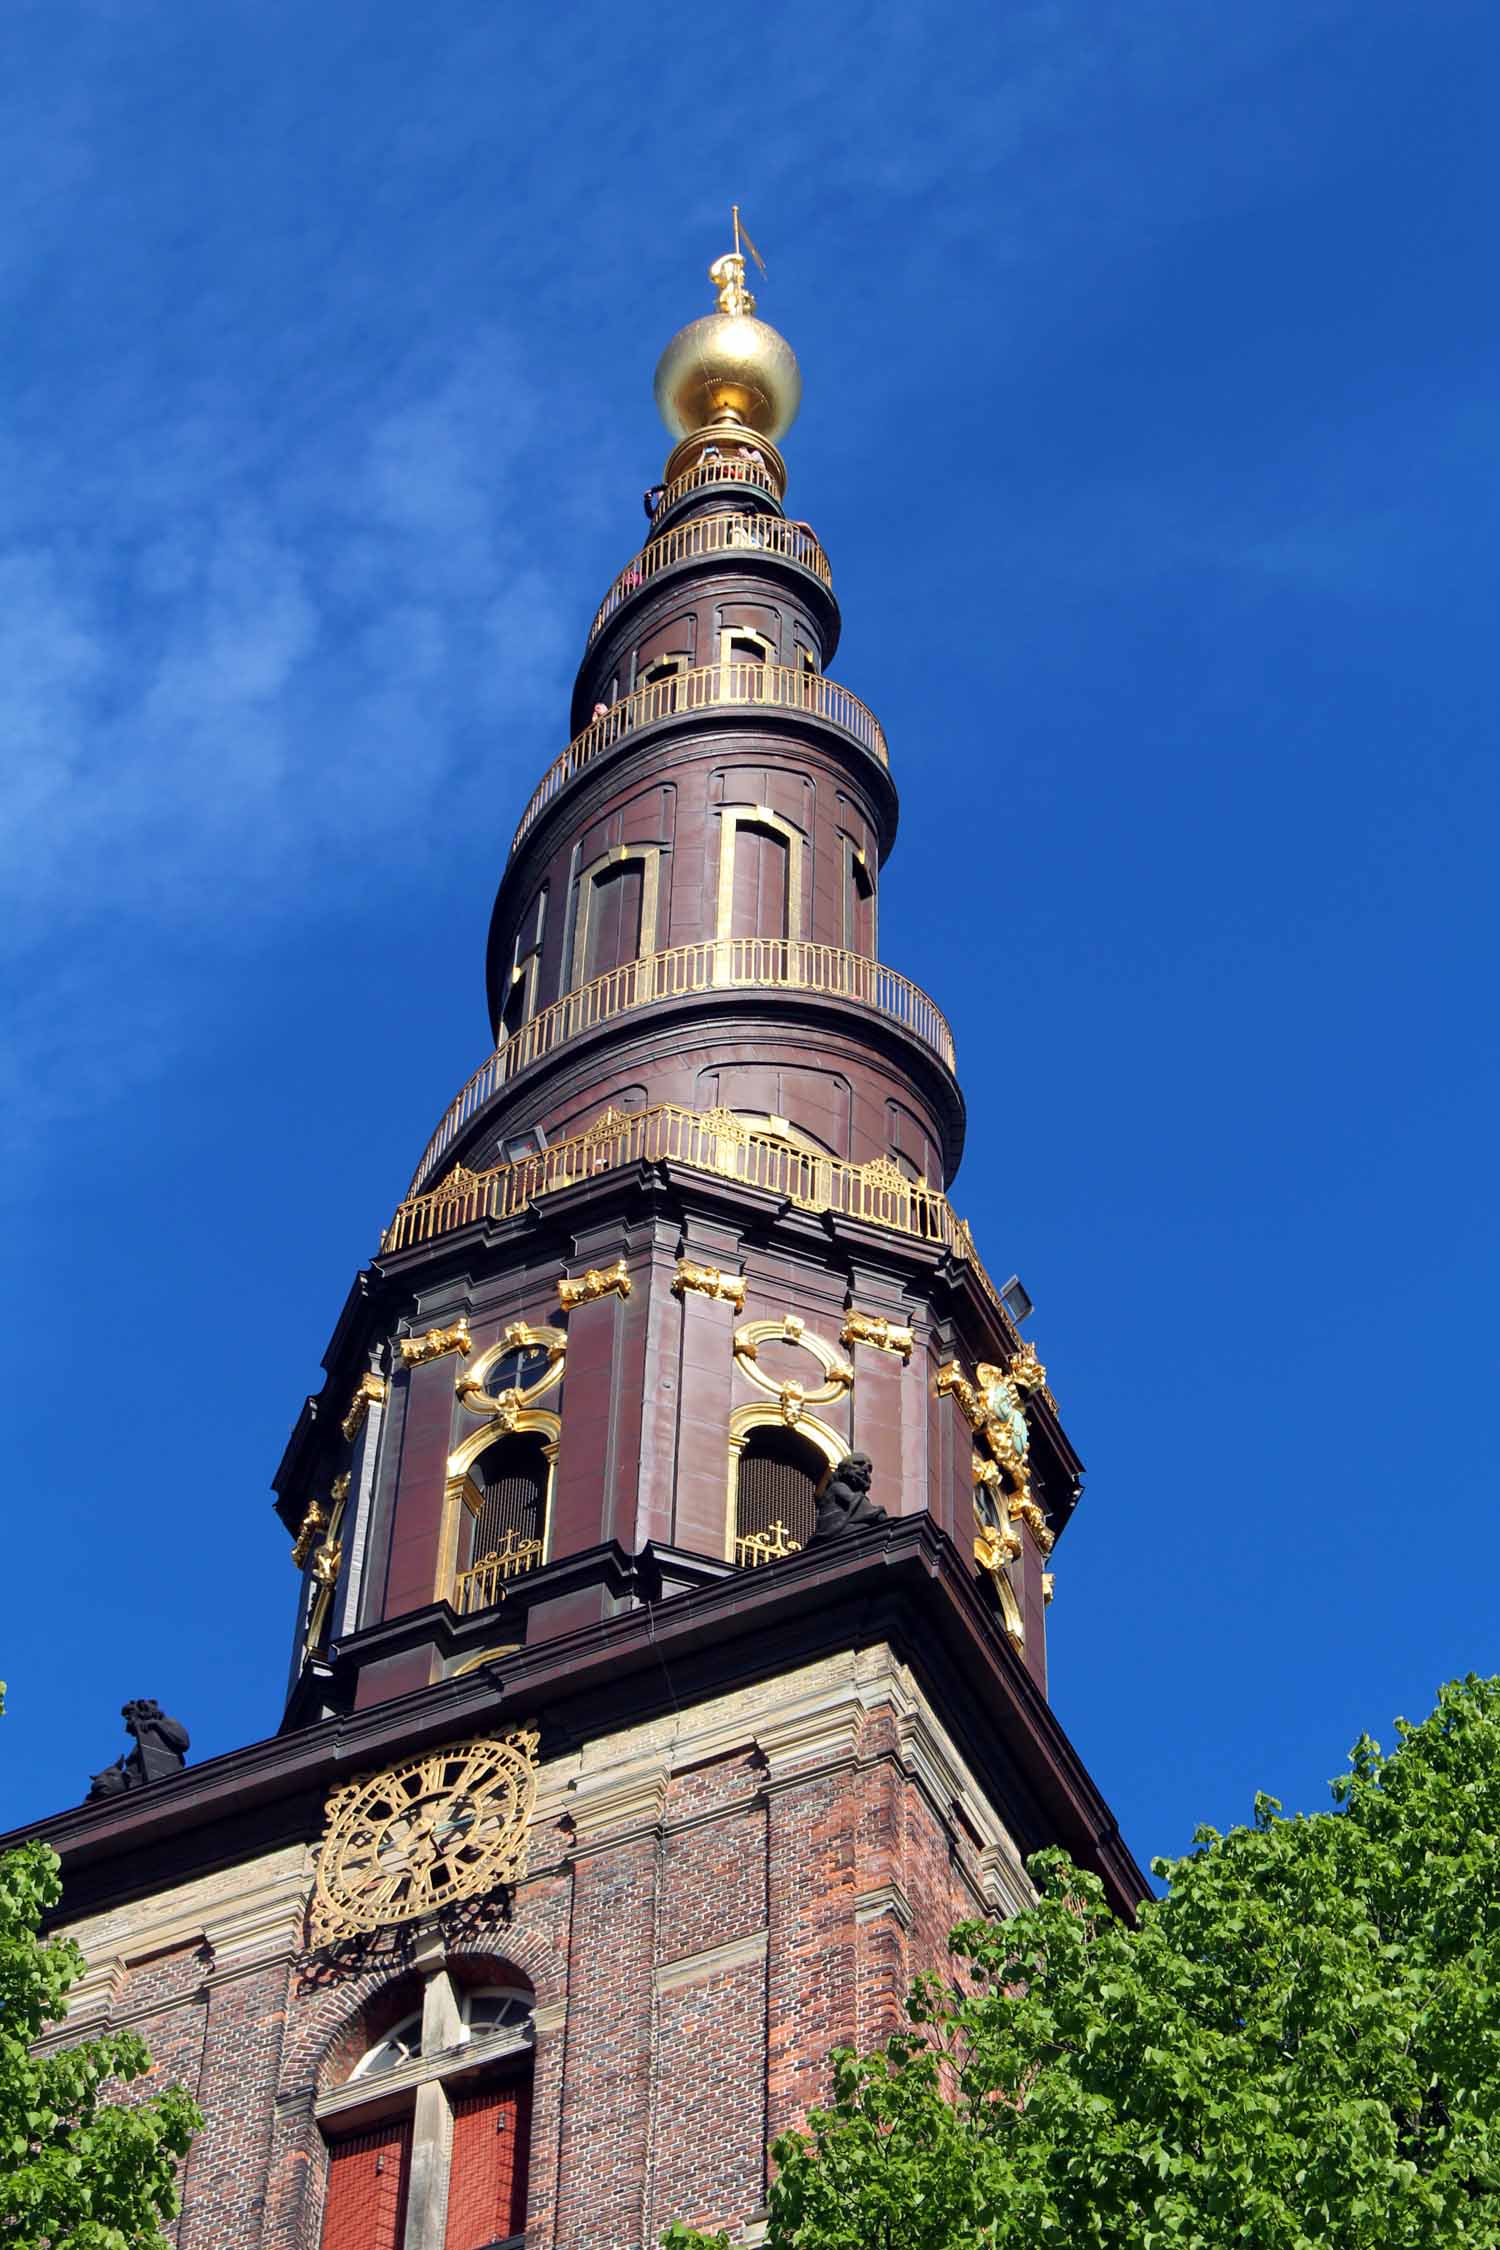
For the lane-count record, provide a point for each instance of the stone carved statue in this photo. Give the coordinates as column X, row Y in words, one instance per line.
column 160, row 1748
column 844, row 1502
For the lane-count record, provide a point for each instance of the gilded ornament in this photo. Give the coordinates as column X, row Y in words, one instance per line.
column 483, row 1583
column 994, row 1549
column 838, row 1375
column 314, row 1521
column 874, row 1328
column 369, row 1392
column 1024, row 1509
column 1047, row 1585
column 422, row 1835
column 729, row 370
column 1027, row 1371
column 339, row 1489
column 757, row 1547
column 326, row 1562
column 584, row 1288
column 417, row 1350
column 709, row 1281
column 518, row 1336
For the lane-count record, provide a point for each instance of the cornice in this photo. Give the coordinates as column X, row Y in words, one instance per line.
column 779, row 1012
column 901, row 1583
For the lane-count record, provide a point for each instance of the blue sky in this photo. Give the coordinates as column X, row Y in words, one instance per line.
column 1150, row 422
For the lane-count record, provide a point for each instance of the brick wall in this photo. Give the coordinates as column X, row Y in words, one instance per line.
column 714, row 1900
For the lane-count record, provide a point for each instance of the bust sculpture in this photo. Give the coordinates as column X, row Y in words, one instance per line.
column 159, row 1748
column 843, row 1499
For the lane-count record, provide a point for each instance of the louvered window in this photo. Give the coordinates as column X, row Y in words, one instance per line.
column 512, row 1476
column 365, row 2206
column 778, row 1476
column 487, row 2171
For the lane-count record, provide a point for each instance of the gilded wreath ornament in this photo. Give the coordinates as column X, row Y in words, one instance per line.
column 407, row 1842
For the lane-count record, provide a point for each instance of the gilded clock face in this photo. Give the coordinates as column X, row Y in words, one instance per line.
column 411, row 1840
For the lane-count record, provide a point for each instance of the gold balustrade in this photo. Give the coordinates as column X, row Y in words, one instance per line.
column 716, row 1141
column 725, row 470
column 714, row 535
column 481, row 1586
column 757, row 1547
column 708, row 687
column 713, row 964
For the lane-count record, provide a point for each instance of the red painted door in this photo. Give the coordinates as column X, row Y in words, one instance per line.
column 365, row 2208
column 487, row 2181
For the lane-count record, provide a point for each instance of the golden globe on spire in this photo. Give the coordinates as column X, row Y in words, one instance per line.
column 729, row 371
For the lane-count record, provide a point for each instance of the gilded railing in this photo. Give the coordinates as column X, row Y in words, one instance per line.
column 757, row 1547
column 715, row 1140
column 714, row 535
column 714, row 964
column 724, row 470
column 707, row 688
column 481, row 1586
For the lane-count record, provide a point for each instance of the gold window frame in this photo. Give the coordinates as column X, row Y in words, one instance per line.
column 761, row 1416
column 732, row 819
column 618, row 855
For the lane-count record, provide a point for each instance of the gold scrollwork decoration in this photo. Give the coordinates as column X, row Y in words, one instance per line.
column 314, row 1521
column 417, row 1350
column 424, row 1834
column 369, row 1391
column 874, row 1328
column 339, row 1489
column 583, row 1288
column 709, row 1281
column 992, row 1407
column 1047, row 1585
column 792, row 1397
column 757, row 1547
column 1026, row 1511
column 458, row 1185
column 509, row 1405
column 1028, row 1374
column 327, row 1562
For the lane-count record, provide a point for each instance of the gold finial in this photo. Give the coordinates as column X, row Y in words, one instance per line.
column 729, row 371
column 728, row 273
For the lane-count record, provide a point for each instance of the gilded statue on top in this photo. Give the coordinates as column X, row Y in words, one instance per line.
column 728, row 276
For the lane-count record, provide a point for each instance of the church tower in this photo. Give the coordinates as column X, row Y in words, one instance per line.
column 674, row 1524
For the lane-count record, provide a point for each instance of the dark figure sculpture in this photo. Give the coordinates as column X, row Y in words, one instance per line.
column 160, row 1747
column 844, row 1502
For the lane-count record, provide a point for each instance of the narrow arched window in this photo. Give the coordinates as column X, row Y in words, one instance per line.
column 775, row 1488
column 466, row 2154
column 511, row 1476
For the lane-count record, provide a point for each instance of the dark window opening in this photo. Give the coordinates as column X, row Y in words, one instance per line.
column 512, row 1479
column 779, row 1474
column 860, row 911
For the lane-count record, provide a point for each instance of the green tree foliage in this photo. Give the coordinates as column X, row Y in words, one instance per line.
column 75, row 2170
column 1298, row 2045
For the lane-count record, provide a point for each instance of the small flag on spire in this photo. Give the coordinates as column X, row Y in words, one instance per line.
column 742, row 234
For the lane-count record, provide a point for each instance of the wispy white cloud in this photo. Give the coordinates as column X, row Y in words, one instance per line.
column 224, row 674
